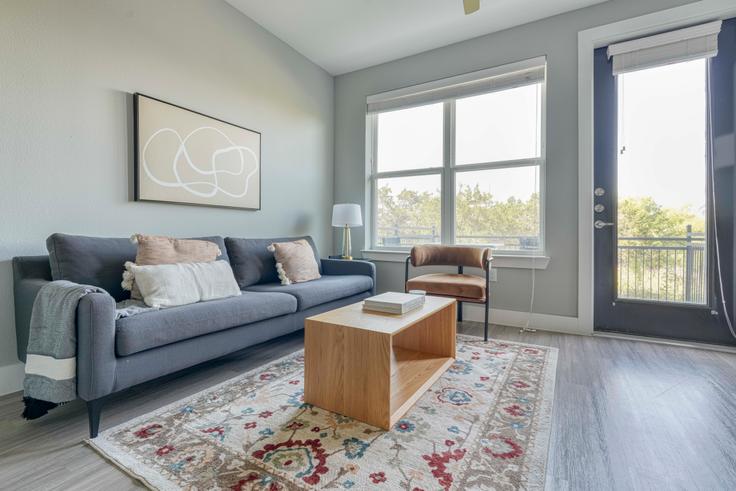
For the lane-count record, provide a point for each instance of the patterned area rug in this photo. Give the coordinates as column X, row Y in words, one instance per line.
column 484, row 424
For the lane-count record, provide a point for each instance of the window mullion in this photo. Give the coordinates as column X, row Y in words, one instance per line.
column 373, row 183
column 448, row 175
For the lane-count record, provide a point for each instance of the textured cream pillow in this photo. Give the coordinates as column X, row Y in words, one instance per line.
column 157, row 249
column 295, row 262
column 169, row 285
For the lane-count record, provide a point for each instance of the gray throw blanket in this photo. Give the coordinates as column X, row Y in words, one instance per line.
column 51, row 361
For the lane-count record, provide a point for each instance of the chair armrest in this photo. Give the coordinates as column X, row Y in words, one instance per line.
column 355, row 266
column 96, row 360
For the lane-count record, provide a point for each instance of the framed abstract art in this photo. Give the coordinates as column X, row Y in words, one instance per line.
column 182, row 156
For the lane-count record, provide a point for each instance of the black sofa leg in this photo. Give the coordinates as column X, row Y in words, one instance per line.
column 94, row 411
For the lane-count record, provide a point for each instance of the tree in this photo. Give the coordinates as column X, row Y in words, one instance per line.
column 478, row 215
column 643, row 217
column 408, row 212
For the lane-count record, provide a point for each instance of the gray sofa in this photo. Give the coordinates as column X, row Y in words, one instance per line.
column 114, row 355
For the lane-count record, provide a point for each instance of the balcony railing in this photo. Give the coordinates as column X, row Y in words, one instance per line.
column 407, row 236
column 665, row 269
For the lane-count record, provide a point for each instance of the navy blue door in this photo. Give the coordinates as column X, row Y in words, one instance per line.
column 655, row 271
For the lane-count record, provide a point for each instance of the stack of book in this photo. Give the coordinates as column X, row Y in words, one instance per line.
column 394, row 303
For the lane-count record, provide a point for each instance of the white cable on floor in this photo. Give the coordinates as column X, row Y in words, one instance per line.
column 712, row 164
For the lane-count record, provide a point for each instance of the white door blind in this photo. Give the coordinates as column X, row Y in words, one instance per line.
column 484, row 81
column 663, row 49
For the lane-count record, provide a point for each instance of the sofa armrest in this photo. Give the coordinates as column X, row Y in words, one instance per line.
column 355, row 266
column 96, row 360
column 30, row 274
column 24, row 294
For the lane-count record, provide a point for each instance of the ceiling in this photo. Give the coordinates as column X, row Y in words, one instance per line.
column 346, row 35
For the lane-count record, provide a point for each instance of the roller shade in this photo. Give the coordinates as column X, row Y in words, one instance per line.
column 663, row 49
column 481, row 82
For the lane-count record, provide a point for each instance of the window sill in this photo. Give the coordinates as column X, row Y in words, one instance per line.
column 518, row 261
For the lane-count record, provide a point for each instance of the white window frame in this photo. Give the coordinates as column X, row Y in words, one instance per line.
column 449, row 169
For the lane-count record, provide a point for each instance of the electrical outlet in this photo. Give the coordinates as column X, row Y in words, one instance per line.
column 493, row 276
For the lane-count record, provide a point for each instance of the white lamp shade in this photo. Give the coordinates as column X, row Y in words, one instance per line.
column 346, row 214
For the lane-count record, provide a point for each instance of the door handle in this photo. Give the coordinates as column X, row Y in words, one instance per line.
column 599, row 224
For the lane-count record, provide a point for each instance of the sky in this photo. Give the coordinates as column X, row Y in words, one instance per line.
column 662, row 131
column 494, row 127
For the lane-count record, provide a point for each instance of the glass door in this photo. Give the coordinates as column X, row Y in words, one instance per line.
column 661, row 184
column 652, row 235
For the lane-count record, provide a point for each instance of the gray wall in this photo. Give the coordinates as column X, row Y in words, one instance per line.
column 555, row 37
column 67, row 70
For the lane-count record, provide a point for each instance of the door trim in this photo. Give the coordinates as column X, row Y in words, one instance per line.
column 588, row 41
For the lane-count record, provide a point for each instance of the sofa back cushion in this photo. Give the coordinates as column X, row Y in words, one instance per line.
column 98, row 261
column 159, row 249
column 254, row 264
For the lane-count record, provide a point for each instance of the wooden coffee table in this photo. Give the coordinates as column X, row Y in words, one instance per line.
column 373, row 366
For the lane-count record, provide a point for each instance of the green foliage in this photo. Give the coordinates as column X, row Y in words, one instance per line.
column 643, row 272
column 665, row 270
column 643, row 217
column 410, row 213
column 408, row 210
column 478, row 213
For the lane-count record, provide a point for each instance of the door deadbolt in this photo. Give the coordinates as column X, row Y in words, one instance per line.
column 599, row 191
column 599, row 208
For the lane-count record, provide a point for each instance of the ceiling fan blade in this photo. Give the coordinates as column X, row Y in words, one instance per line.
column 471, row 6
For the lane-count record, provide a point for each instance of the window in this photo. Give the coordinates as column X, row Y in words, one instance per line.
column 662, row 183
column 460, row 161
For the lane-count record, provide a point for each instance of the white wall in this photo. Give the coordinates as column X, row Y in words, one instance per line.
column 555, row 37
column 67, row 69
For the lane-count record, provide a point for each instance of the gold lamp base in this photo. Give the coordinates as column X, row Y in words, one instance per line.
column 346, row 246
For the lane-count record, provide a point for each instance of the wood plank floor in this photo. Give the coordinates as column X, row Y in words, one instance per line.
column 627, row 415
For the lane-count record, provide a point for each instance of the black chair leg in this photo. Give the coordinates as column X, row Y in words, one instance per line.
column 459, row 311
column 94, row 411
column 485, row 326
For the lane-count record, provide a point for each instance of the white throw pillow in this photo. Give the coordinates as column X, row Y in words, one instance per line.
column 169, row 285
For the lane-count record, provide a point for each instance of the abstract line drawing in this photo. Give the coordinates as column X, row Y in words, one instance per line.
column 187, row 157
column 214, row 172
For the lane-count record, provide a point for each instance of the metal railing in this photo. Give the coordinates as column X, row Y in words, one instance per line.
column 407, row 236
column 666, row 269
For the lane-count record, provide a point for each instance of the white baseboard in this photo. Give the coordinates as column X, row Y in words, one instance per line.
column 513, row 318
column 11, row 378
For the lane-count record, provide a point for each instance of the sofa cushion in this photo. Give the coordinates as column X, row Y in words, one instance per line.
column 152, row 329
column 97, row 261
column 323, row 290
column 253, row 263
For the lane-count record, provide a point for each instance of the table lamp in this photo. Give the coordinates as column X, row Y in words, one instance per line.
column 346, row 215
